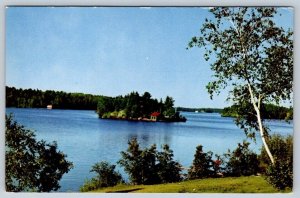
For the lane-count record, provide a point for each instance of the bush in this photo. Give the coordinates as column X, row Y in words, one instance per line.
column 106, row 176
column 31, row 165
column 280, row 174
column 241, row 161
column 122, row 114
column 89, row 185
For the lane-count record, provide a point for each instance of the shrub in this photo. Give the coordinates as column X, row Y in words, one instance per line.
column 280, row 174
column 89, row 185
column 106, row 115
column 106, row 176
column 114, row 114
column 122, row 114
column 241, row 161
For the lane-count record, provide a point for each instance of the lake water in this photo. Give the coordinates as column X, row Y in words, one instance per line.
column 87, row 140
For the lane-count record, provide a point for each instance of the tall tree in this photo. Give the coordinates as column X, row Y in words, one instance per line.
column 202, row 164
column 168, row 169
column 132, row 161
column 251, row 55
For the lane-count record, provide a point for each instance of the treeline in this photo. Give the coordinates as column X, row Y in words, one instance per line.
column 134, row 106
column 35, row 98
column 268, row 111
column 149, row 166
column 130, row 106
column 206, row 110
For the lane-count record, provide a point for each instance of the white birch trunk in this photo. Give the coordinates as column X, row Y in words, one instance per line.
column 261, row 129
column 262, row 134
column 255, row 105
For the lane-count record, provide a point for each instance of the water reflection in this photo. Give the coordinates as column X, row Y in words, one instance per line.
column 87, row 139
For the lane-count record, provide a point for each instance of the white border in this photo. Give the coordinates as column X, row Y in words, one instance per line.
column 294, row 3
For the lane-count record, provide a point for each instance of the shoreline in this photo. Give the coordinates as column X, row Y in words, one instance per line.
column 142, row 119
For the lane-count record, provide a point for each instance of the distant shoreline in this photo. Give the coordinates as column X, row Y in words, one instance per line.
column 144, row 120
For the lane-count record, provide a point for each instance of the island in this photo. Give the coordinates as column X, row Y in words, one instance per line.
column 129, row 107
column 134, row 107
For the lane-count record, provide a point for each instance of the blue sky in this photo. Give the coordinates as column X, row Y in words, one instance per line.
column 112, row 51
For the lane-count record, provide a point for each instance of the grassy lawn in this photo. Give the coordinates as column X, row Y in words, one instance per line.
column 252, row 184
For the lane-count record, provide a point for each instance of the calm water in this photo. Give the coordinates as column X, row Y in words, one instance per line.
column 87, row 139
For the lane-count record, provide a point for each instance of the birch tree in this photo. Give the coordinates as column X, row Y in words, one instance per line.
column 251, row 55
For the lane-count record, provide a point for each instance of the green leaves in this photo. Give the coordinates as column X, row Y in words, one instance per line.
column 251, row 55
column 148, row 166
column 244, row 41
column 106, row 176
column 31, row 165
column 241, row 161
column 280, row 174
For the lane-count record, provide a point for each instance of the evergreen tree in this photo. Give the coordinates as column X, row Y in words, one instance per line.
column 168, row 169
column 202, row 166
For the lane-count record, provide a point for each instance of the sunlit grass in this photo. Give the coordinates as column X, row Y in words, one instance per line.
column 252, row 184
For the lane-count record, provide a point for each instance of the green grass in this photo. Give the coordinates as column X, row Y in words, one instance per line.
column 252, row 184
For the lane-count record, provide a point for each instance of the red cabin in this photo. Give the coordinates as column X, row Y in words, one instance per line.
column 154, row 116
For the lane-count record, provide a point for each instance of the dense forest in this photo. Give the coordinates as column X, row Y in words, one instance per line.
column 269, row 111
column 135, row 107
column 132, row 106
column 34, row 98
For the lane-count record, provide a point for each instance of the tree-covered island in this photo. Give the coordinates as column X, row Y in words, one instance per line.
column 129, row 107
column 138, row 108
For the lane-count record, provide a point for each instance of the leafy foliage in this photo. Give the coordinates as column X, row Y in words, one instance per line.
column 31, row 165
column 248, row 45
column 251, row 55
column 106, row 176
column 280, row 175
column 149, row 166
column 133, row 107
column 242, row 161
